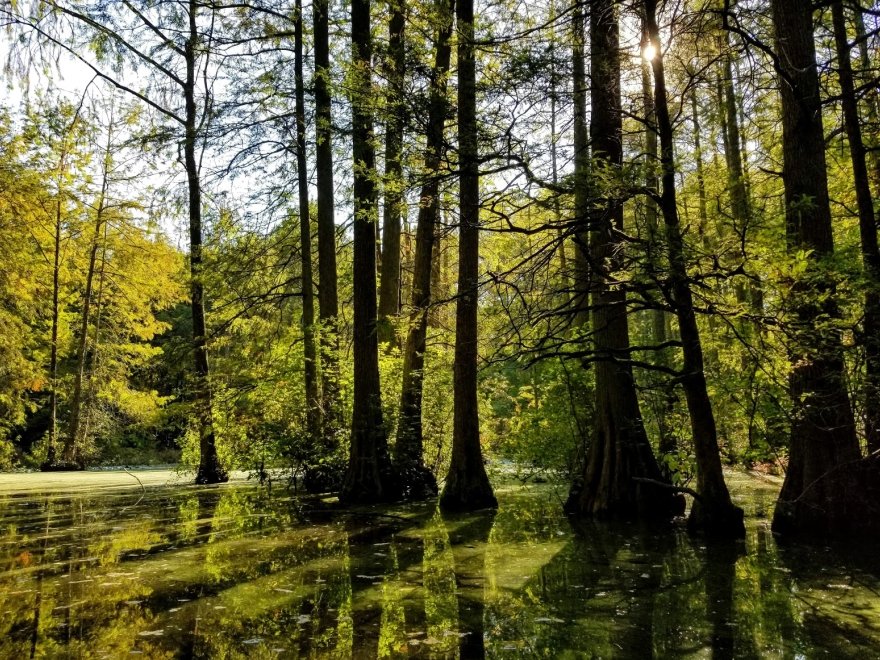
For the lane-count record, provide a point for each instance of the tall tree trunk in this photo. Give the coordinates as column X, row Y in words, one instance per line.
column 867, row 230
column 417, row 481
column 822, row 429
column 702, row 207
column 749, row 294
column 82, row 349
column 736, row 183
column 713, row 512
column 310, row 354
column 210, row 470
column 88, row 389
column 328, row 304
column 439, row 268
column 659, row 322
column 620, row 451
column 740, row 102
column 581, row 172
column 69, row 458
column 369, row 477
column 554, row 138
column 467, row 484
column 872, row 100
column 53, row 356
column 736, row 179
column 389, row 281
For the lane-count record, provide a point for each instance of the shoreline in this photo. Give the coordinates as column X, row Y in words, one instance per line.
column 13, row 483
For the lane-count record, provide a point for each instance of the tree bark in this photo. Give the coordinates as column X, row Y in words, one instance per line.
column 713, row 513
column 554, row 137
column 702, row 206
column 581, row 286
column 739, row 195
column 822, row 429
column 439, row 270
column 389, row 281
column 620, row 449
column 867, row 230
column 89, row 399
column 467, row 484
column 310, row 354
column 328, row 304
column 210, row 470
column 53, row 356
column 417, row 482
column 748, row 293
column 736, row 179
column 659, row 322
column 369, row 477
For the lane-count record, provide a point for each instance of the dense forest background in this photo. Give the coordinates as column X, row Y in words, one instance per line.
column 617, row 242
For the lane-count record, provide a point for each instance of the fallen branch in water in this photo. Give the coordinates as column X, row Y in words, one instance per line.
column 666, row 486
column 127, row 471
column 143, row 490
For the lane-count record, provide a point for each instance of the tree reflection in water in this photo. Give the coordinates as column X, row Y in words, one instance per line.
column 469, row 545
column 236, row 571
column 721, row 558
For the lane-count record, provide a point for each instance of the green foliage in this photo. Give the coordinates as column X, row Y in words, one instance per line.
column 536, row 383
column 538, row 417
column 22, row 197
column 51, row 182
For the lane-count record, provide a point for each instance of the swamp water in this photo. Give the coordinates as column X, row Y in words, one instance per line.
column 238, row 571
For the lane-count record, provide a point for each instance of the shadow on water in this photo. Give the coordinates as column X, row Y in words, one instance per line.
column 721, row 558
column 236, row 571
column 469, row 537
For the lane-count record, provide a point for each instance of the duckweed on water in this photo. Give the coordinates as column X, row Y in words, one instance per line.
column 238, row 571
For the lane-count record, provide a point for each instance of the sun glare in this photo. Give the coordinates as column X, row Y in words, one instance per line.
column 649, row 51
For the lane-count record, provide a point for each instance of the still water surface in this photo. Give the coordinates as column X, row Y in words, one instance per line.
column 237, row 571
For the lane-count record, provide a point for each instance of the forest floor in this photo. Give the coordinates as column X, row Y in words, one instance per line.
column 91, row 480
